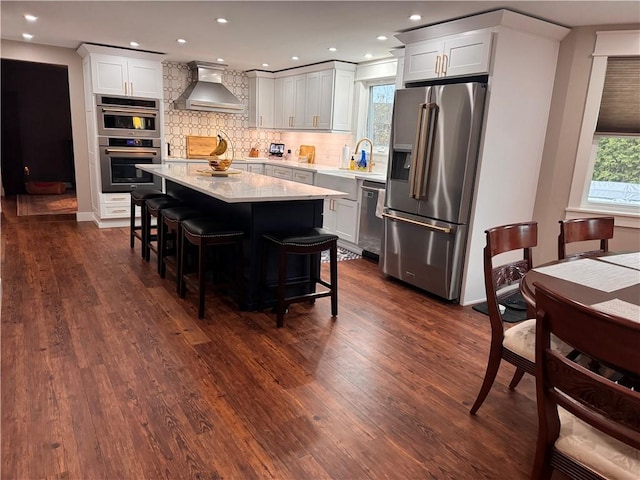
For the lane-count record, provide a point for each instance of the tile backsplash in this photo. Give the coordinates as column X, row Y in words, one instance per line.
column 180, row 123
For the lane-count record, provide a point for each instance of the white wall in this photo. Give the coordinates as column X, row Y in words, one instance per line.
column 561, row 144
column 63, row 56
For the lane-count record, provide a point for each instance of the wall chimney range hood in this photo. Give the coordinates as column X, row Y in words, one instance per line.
column 207, row 93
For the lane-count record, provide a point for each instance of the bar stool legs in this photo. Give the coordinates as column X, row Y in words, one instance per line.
column 205, row 233
column 139, row 199
column 311, row 243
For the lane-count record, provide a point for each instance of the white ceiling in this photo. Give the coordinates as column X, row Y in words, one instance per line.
column 270, row 32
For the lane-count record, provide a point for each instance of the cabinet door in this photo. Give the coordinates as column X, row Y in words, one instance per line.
column 467, row 55
column 145, row 78
column 261, row 102
column 300, row 100
column 346, row 219
column 319, row 102
column 423, row 60
column 329, row 216
column 342, row 101
column 288, row 102
column 255, row 167
column 279, row 118
column 110, row 75
column 303, row 176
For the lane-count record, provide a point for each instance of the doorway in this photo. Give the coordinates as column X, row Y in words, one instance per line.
column 37, row 139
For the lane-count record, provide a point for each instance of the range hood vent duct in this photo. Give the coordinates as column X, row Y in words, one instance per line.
column 207, row 93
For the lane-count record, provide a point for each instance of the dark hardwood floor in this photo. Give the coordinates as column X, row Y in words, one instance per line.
column 106, row 373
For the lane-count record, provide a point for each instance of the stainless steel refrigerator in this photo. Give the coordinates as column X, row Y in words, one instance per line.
column 435, row 139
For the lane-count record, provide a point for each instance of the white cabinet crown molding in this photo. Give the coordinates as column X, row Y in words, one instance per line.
column 87, row 49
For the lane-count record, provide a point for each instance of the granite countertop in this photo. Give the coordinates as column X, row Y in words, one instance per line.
column 243, row 186
column 380, row 177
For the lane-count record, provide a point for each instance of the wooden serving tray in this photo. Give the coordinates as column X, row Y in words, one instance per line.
column 201, row 147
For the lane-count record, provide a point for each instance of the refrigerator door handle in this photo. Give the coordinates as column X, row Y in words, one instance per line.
column 415, row 174
column 425, row 135
column 420, row 224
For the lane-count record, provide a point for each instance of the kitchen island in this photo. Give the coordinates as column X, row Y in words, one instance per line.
column 255, row 204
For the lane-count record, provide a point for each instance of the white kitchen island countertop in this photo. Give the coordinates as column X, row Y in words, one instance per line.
column 242, row 187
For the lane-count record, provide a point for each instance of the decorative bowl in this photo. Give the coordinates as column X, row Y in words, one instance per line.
column 220, row 164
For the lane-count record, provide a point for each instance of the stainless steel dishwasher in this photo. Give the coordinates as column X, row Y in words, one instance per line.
column 371, row 224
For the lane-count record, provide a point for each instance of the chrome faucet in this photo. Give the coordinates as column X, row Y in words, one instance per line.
column 371, row 163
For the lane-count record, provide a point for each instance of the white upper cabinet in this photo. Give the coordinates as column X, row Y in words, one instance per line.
column 126, row 76
column 117, row 71
column 450, row 56
column 318, row 99
column 261, row 102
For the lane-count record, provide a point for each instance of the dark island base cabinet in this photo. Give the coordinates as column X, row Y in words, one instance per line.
column 256, row 219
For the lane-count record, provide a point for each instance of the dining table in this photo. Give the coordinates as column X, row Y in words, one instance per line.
column 608, row 282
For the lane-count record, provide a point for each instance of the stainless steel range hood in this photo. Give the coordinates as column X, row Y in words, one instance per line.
column 207, row 93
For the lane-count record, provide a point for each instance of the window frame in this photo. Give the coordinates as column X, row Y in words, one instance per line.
column 608, row 44
column 368, row 85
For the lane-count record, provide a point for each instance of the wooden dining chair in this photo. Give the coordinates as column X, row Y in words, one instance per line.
column 588, row 425
column 585, row 229
column 515, row 344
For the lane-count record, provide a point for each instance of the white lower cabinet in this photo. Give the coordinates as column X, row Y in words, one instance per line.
column 340, row 216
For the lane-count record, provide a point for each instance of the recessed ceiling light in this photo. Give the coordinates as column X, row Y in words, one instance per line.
column 30, row 18
column 220, row 59
column 134, row 44
column 265, row 64
column 415, row 17
column 381, row 37
column 221, row 20
column 333, row 49
column 368, row 55
column 27, row 36
column 181, row 40
column 295, row 58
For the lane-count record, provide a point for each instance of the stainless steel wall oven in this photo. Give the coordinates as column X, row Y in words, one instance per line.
column 118, row 157
column 128, row 116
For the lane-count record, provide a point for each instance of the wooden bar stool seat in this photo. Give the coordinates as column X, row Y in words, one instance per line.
column 139, row 199
column 154, row 206
column 170, row 237
column 205, row 233
column 310, row 242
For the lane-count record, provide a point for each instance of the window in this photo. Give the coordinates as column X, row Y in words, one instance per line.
column 607, row 171
column 379, row 113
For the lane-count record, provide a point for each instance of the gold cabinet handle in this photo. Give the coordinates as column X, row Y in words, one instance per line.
column 125, row 88
column 420, row 224
column 437, row 64
column 260, row 122
column 445, row 61
column 132, row 88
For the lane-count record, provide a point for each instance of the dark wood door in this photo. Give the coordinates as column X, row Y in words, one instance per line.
column 36, row 124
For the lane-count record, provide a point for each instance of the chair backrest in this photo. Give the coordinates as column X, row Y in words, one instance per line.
column 506, row 238
column 583, row 229
column 600, row 402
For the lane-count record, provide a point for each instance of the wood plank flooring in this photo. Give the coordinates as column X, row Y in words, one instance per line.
column 106, row 373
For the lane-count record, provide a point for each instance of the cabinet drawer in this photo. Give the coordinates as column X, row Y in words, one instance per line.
column 115, row 210
column 303, row 176
column 116, row 198
column 281, row 172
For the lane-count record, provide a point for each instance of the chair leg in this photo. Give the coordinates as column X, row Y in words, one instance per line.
column 132, row 223
column 201, row 278
column 178, row 249
column 145, row 229
column 333, row 265
column 162, row 233
column 489, row 377
column 240, row 273
column 182, row 290
column 517, row 376
column 282, row 288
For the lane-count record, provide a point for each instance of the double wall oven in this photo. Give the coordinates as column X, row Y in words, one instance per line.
column 128, row 134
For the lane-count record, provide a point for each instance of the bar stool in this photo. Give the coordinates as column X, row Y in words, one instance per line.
column 139, row 199
column 154, row 209
column 310, row 242
column 204, row 233
column 171, row 229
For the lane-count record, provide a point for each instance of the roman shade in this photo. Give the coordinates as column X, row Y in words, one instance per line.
column 620, row 104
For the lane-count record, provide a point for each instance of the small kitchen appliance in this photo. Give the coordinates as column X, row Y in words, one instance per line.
column 276, row 149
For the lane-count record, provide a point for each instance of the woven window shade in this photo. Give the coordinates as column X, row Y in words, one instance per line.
column 620, row 105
